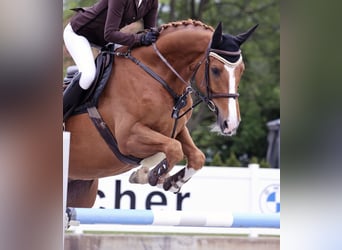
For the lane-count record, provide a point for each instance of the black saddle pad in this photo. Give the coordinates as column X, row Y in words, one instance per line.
column 104, row 63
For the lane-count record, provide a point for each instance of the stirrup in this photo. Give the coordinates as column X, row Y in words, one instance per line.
column 71, row 72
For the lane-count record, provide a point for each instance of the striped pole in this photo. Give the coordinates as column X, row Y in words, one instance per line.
column 175, row 218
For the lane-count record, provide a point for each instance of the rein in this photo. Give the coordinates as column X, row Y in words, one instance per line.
column 148, row 70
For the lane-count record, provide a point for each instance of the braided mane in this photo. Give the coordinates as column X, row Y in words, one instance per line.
column 184, row 23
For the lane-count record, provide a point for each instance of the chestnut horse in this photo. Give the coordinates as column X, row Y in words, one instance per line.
column 147, row 103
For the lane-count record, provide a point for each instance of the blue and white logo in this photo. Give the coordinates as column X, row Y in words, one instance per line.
column 270, row 199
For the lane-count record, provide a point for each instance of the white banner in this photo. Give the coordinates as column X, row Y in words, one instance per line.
column 213, row 189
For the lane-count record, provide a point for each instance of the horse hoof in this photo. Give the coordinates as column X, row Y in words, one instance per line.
column 171, row 186
column 133, row 178
column 157, row 172
column 152, row 179
column 167, row 184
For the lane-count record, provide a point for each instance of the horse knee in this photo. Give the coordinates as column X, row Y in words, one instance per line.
column 197, row 160
column 174, row 152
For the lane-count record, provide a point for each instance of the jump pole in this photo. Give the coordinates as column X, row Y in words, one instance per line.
column 175, row 218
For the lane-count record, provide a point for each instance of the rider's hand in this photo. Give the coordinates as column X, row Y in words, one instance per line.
column 149, row 37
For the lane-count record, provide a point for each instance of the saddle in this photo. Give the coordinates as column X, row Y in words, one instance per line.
column 104, row 62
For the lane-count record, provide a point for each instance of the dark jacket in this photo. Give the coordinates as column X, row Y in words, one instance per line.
column 101, row 23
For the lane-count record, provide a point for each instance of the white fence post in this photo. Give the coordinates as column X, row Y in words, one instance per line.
column 66, row 148
column 254, row 182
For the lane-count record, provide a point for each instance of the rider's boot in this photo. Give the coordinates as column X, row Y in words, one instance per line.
column 71, row 96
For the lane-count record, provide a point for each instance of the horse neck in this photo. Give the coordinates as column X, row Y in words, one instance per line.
column 184, row 50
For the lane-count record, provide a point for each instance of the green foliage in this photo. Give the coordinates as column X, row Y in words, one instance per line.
column 232, row 161
column 217, row 161
column 254, row 160
column 264, row 164
column 69, row 4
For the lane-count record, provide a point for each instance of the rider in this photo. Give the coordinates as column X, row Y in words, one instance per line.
column 96, row 26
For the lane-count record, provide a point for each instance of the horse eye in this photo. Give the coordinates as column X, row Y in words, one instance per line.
column 215, row 71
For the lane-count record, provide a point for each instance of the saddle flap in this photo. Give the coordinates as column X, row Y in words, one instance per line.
column 104, row 63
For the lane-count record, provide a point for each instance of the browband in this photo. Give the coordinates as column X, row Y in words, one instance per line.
column 225, row 52
column 226, row 62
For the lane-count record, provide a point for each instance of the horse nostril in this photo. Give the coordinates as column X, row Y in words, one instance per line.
column 225, row 124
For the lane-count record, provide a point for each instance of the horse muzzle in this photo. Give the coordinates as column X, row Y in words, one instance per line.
column 229, row 128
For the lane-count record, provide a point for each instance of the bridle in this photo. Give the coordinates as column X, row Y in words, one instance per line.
column 181, row 100
column 209, row 53
column 215, row 53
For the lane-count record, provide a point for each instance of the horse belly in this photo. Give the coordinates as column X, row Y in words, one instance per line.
column 89, row 168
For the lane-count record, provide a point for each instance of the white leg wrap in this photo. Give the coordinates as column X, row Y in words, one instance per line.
column 153, row 160
column 189, row 172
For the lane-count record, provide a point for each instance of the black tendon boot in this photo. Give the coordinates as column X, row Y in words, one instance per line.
column 71, row 96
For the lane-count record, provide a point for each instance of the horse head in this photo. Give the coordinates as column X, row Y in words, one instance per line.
column 224, row 69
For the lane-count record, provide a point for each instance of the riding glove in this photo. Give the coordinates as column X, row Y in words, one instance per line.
column 149, row 38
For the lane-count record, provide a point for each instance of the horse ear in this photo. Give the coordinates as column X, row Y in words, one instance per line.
column 241, row 38
column 217, row 36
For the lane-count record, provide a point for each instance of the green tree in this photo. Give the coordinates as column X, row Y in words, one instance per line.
column 217, row 161
column 232, row 161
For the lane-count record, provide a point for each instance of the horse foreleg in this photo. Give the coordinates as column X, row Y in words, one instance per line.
column 141, row 176
column 146, row 141
column 195, row 161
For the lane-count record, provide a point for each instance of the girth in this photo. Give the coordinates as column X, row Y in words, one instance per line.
column 109, row 138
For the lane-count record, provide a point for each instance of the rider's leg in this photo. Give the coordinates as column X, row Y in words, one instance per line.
column 80, row 50
column 72, row 95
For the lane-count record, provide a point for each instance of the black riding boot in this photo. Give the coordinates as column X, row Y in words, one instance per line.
column 71, row 96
